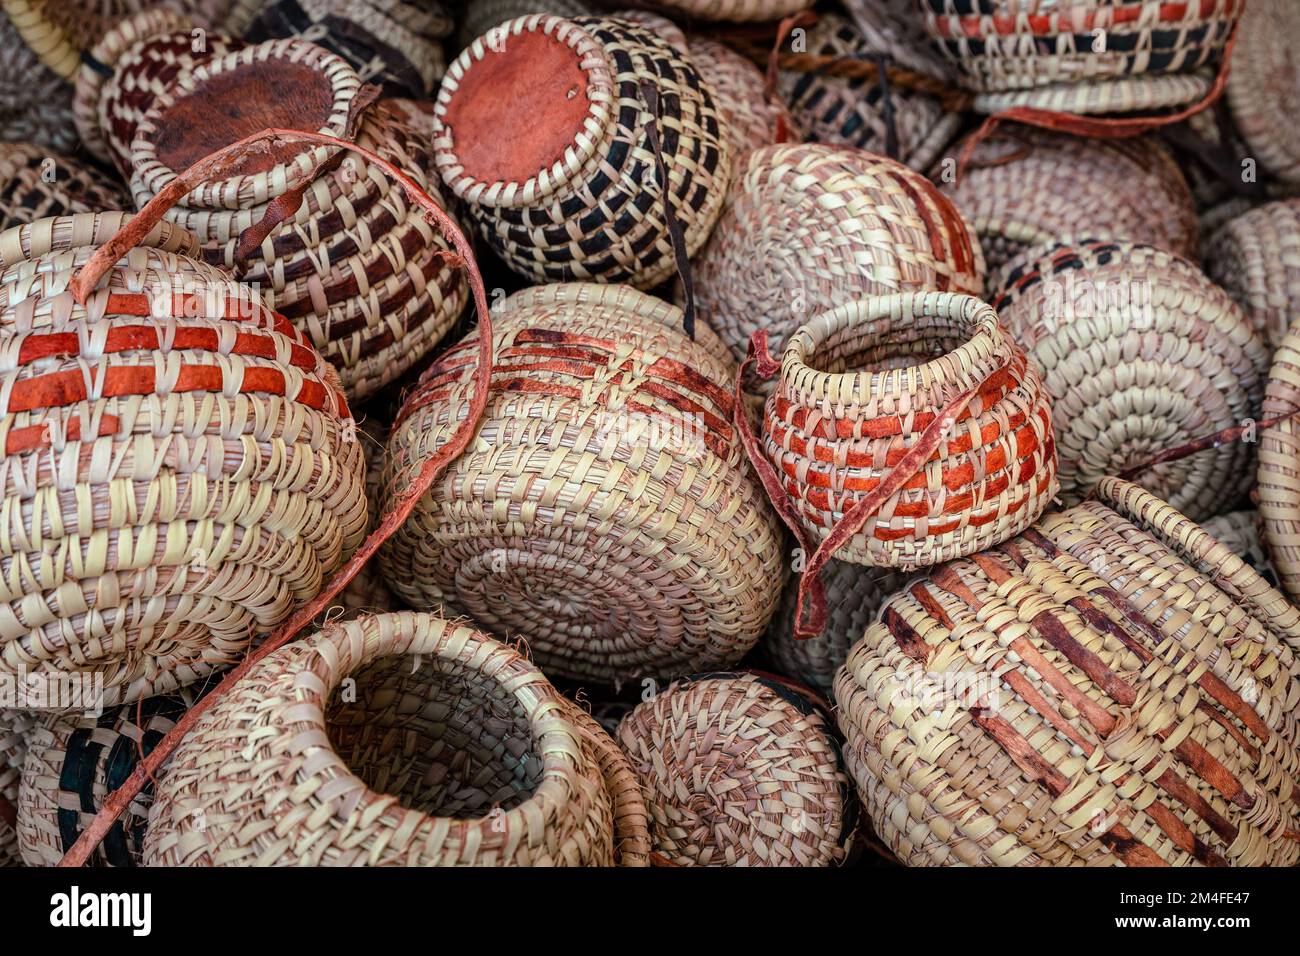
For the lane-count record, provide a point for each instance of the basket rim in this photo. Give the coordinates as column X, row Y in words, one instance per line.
column 341, row 650
column 150, row 174
column 1198, row 547
column 984, row 340
column 587, row 142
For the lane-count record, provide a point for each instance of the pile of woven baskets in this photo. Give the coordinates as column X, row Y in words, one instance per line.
column 529, row 432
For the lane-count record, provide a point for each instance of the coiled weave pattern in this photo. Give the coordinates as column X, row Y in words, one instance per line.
column 1256, row 258
column 177, row 465
column 605, row 513
column 1140, row 353
column 858, row 386
column 1083, row 56
column 1014, row 193
column 739, row 770
column 396, row 740
column 1262, row 90
column 73, row 763
column 356, row 268
column 14, row 726
column 1113, row 686
column 807, row 228
column 36, row 183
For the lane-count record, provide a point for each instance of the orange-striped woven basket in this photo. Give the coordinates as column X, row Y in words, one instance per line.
column 179, row 448
column 859, row 385
column 1083, row 56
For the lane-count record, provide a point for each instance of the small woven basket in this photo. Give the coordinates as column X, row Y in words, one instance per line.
column 577, row 193
column 841, row 111
column 35, row 102
column 605, row 512
column 1264, row 86
column 854, row 594
column 1038, row 187
column 859, row 384
column 356, row 268
column 1140, row 353
column 127, row 70
column 749, row 119
column 736, row 11
column 389, row 42
column 807, row 228
column 1256, row 258
column 14, row 727
column 739, row 770
column 399, row 740
column 1083, row 56
column 205, row 484
column 73, row 763
column 1112, row 687
column 1278, row 480
column 36, row 183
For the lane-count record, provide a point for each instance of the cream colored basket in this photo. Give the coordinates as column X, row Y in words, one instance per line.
column 396, row 740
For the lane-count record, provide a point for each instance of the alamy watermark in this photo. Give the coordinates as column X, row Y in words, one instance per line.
column 61, row 691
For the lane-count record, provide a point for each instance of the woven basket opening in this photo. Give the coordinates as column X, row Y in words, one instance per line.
column 227, row 107
column 892, row 342
column 442, row 740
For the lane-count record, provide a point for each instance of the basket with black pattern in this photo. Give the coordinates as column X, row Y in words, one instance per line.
column 577, row 192
column 73, row 762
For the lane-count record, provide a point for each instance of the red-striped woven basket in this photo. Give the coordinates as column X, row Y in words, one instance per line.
column 184, row 454
column 1083, row 56
column 859, row 385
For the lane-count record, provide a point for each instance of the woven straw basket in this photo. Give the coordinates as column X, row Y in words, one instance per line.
column 605, row 512
column 127, row 70
column 356, row 268
column 858, row 386
column 396, row 739
column 1278, row 480
column 71, row 766
column 182, row 451
column 35, row 102
column 1256, row 258
column 1083, row 56
column 739, row 770
column 14, row 726
column 36, row 183
column 854, row 594
column 808, row 227
column 1037, row 187
column 749, row 119
column 1113, row 686
column 1264, row 86
column 577, row 192
column 1140, row 353
column 843, row 111
column 389, row 42
column 736, row 11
